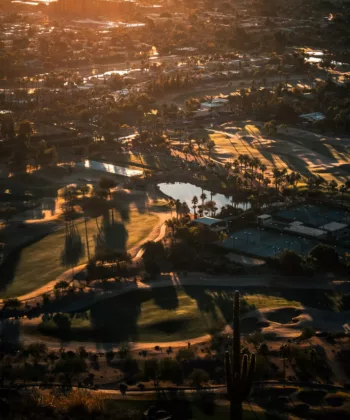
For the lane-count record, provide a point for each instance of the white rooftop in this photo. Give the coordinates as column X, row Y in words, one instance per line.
column 295, row 223
column 333, row 226
column 305, row 230
column 208, row 221
column 264, row 217
column 315, row 116
column 211, row 104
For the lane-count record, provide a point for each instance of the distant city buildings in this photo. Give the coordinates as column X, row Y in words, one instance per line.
column 90, row 8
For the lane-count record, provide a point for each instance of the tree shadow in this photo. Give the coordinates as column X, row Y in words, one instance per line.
column 115, row 320
column 73, row 249
column 165, row 298
column 112, row 235
column 203, row 297
column 10, row 331
column 8, row 270
column 123, row 202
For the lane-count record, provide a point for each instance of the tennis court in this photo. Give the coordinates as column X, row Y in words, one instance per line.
column 267, row 243
column 314, row 215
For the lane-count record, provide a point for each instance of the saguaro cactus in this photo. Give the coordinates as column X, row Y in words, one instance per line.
column 239, row 374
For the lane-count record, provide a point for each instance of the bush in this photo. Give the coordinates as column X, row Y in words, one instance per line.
column 307, row 333
column 70, row 367
column 12, row 303
column 62, row 322
column 185, row 354
column 171, row 370
column 151, row 369
column 325, row 256
column 290, row 262
column 123, row 388
column 198, row 377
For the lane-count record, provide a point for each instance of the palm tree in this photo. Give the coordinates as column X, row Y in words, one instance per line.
column 211, row 207
column 85, row 189
column 255, row 163
column 241, row 160
column 227, row 166
column 172, row 206
column 332, row 186
column 210, row 147
column 260, row 178
column 171, row 224
column 107, row 184
column 297, row 177
column 194, row 204
column 178, row 208
column 277, row 175
column 203, row 197
column 285, row 350
column 263, row 168
column 201, row 209
column 199, row 143
column 246, row 161
column 342, row 190
column 185, row 210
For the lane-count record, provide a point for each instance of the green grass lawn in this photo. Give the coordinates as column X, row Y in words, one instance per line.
column 41, row 262
column 162, row 314
column 265, row 301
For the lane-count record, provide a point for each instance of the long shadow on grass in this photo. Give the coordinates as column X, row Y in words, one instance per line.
column 320, row 299
column 73, row 248
column 112, row 234
column 8, row 270
column 166, row 298
column 115, row 320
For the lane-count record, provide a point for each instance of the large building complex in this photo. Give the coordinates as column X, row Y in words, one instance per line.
column 112, row 8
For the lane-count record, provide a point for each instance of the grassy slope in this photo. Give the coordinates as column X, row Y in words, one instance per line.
column 41, row 262
column 164, row 314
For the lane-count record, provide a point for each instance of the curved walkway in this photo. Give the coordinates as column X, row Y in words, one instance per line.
column 136, row 252
column 196, row 279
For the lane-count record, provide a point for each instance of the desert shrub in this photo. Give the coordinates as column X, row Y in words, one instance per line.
column 198, row 377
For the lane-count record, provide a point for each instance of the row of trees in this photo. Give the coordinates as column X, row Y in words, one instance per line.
column 321, row 258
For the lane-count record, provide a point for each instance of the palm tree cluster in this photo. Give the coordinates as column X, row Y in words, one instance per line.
column 181, row 208
column 206, row 207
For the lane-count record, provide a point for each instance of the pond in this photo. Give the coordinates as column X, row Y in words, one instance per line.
column 185, row 192
column 109, row 167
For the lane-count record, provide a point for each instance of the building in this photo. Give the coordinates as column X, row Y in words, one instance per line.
column 74, row 7
column 116, row 8
column 300, row 229
column 216, row 225
column 336, row 229
column 219, row 104
column 264, row 219
column 313, row 117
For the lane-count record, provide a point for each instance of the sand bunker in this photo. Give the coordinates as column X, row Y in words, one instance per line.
column 290, row 321
column 283, row 315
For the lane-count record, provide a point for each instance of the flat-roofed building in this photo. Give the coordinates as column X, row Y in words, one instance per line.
column 213, row 224
column 300, row 229
column 264, row 219
column 336, row 229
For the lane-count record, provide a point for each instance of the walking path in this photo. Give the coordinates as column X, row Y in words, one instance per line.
column 136, row 252
column 173, row 279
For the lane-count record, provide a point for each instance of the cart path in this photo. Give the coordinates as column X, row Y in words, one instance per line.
column 136, row 252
